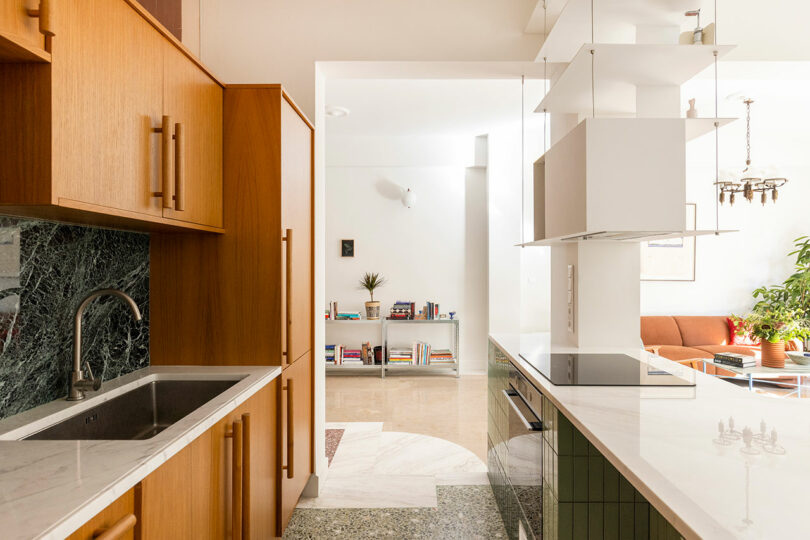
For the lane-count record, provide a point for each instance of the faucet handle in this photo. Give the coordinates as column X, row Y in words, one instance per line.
column 90, row 377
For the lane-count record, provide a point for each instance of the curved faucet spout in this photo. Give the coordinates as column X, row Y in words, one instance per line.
column 78, row 382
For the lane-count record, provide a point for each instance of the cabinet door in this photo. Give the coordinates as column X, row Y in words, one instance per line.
column 166, row 499
column 121, row 512
column 194, row 100
column 296, row 434
column 296, row 215
column 107, row 98
column 16, row 25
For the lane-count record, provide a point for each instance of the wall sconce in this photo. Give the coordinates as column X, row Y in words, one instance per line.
column 408, row 199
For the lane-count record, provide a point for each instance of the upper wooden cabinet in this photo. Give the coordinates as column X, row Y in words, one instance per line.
column 22, row 36
column 121, row 129
column 256, row 277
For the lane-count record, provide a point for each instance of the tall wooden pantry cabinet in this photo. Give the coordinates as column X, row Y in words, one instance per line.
column 245, row 297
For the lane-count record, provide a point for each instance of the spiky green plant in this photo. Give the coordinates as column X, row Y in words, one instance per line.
column 370, row 281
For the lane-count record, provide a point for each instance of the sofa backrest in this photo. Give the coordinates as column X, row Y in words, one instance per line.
column 660, row 330
column 703, row 330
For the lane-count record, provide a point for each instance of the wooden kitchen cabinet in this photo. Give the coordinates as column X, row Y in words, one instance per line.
column 85, row 134
column 20, row 37
column 296, row 435
column 192, row 495
column 120, row 514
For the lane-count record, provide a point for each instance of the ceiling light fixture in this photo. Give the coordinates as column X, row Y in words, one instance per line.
column 336, row 112
column 408, row 199
column 751, row 180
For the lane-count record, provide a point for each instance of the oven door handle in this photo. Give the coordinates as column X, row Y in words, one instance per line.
column 530, row 426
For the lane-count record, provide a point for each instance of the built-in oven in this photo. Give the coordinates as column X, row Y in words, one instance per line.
column 524, row 445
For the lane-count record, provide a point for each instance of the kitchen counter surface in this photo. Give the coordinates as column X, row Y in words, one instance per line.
column 666, row 441
column 48, row 489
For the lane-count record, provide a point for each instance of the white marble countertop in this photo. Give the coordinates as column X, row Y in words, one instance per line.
column 48, row 489
column 666, row 442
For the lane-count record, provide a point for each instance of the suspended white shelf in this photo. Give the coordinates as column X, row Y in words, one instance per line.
column 616, row 21
column 622, row 236
column 618, row 70
column 695, row 127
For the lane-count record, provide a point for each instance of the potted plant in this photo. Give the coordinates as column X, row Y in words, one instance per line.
column 773, row 325
column 369, row 282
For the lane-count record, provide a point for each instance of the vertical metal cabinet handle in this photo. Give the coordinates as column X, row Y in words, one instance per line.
column 179, row 167
column 236, row 434
column 290, row 466
column 45, row 21
column 288, row 294
column 246, row 476
column 530, row 426
column 166, row 164
column 118, row 529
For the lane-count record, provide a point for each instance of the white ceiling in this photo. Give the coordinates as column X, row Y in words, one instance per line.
column 428, row 106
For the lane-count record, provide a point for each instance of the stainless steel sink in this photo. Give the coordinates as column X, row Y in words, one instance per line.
column 138, row 414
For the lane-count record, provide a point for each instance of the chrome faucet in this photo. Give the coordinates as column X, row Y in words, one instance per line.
column 79, row 383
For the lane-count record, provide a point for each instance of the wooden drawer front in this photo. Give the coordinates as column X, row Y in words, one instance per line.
column 119, row 510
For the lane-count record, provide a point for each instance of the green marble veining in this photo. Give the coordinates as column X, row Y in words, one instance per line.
column 45, row 270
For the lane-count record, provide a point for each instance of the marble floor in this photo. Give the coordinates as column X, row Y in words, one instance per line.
column 440, row 406
column 409, row 462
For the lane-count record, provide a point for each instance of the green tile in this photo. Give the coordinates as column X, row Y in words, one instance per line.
column 596, row 520
column 592, row 450
column 565, row 437
column 627, row 521
column 565, row 479
column 672, row 533
column 580, row 444
column 580, row 492
column 626, row 490
column 580, row 521
column 611, row 521
column 639, row 497
column 611, row 484
column 642, row 528
column 565, row 521
column 596, row 478
column 654, row 523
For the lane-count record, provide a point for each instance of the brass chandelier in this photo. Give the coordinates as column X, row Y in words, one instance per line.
column 750, row 183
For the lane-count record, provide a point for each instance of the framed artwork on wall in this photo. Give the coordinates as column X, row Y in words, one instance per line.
column 672, row 259
column 347, row 248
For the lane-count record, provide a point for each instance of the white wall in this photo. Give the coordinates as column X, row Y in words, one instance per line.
column 729, row 267
column 435, row 251
column 279, row 41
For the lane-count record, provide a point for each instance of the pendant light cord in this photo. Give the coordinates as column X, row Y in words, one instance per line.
column 716, row 133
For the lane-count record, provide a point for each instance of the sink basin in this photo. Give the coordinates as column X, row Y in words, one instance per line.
column 138, row 414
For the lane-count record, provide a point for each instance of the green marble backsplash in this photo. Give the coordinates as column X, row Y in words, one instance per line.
column 45, row 270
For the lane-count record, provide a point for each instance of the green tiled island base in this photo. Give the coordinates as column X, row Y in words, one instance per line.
column 584, row 496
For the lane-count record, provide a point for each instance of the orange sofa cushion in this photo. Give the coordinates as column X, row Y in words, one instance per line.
column 658, row 330
column 675, row 352
column 703, row 330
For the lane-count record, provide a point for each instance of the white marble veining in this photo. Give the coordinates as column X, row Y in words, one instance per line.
column 373, row 468
column 667, row 442
column 50, row 488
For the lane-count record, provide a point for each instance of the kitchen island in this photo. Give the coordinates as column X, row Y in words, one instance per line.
column 667, row 442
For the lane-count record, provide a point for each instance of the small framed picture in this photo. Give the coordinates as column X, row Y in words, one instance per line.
column 347, row 248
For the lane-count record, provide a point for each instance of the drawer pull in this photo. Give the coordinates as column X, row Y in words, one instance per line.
column 288, row 271
column 45, row 21
column 166, row 166
column 289, row 467
column 119, row 528
column 246, row 476
column 237, row 511
column 179, row 167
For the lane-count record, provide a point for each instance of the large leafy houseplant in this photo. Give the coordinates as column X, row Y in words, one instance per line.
column 793, row 295
column 773, row 325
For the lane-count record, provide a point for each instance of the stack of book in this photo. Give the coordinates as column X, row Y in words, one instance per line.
column 400, row 356
column 348, row 316
column 431, row 311
column 735, row 359
column 421, row 353
column 441, row 356
column 334, row 354
column 368, row 353
column 401, row 310
column 352, row 357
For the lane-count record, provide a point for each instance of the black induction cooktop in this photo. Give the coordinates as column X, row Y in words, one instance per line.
column 577, row 369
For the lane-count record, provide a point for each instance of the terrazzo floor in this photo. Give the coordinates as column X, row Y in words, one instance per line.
column 424, row 480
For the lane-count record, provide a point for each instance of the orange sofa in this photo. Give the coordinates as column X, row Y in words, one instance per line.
column 690, row 337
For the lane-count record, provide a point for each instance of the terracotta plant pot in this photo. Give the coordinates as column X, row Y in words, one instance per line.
column 372, row 311
column 773, row 354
